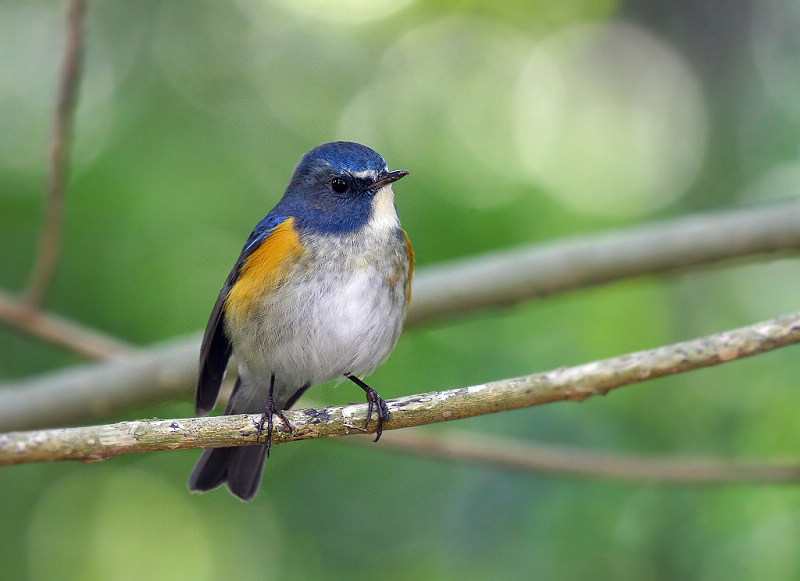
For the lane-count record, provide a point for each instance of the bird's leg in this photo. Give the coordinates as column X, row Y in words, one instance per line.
column 374, row 401
column 266, row 417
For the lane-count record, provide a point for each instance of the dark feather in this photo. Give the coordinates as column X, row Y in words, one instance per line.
column 215, row 351
column 240, row 468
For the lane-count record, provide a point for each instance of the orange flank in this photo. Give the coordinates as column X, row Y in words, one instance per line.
column 410, row 266
column 264, row 270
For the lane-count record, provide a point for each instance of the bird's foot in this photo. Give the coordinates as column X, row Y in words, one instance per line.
column 268, row 422
column 266, row 418
column 375, row 402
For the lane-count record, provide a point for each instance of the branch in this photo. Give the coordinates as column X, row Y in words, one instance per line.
column 511, row 276
column 59, row 331
column 574, row 383
column 50, row 239
column 97, row 390
column 25, row 314
column 548, row 459
column 499, row 279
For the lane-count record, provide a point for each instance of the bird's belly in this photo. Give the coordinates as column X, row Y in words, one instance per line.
column 320, row 327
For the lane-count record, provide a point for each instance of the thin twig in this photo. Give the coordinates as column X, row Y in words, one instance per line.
column 57, row 330
column 573, row 383
column 58, row 171
column 25, row 314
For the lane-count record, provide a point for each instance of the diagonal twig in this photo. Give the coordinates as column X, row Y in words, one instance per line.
column 60, row 331
column 58, row 171
column 25, row 313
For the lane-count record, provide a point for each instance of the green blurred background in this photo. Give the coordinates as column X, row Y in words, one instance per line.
column 520, row 122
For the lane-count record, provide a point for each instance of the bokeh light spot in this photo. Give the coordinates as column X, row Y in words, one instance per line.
column 610, row 120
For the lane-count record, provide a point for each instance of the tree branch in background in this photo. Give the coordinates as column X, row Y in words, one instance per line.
column 548, row 459
column 573, row 383
column 58, row 171
column 512, row 276
column 65, row 333
column 90, row 392
column 77, row 394
column 25, row 314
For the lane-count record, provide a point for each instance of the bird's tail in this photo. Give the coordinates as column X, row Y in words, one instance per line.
column 240, row 468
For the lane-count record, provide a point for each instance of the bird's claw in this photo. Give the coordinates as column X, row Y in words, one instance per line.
column 266, row 419
column 376, row 401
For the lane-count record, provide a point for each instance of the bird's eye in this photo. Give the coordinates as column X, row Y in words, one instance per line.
column 339, row 185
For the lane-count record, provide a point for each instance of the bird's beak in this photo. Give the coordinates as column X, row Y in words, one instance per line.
column 389, row 177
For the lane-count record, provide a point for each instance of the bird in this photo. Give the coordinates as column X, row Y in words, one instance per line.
column 319, row 292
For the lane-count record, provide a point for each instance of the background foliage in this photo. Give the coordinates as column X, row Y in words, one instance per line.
column 520, row 122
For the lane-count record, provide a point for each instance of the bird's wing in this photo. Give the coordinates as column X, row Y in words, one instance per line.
column 258, row 267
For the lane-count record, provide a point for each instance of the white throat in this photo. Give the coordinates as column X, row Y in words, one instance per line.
column 384, row 215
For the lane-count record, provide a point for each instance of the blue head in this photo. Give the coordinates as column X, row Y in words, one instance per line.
column 334, row 188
